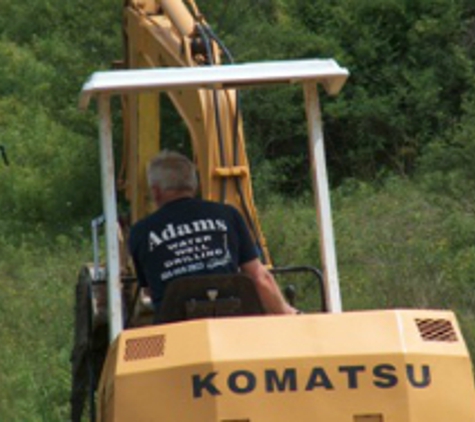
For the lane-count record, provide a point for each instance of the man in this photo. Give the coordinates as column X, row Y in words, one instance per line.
column 188, row 236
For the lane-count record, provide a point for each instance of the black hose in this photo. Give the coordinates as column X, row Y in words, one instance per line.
column 219, row 128
column 247, row 213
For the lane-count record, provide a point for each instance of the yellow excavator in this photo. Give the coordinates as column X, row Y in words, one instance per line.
column 217, row 357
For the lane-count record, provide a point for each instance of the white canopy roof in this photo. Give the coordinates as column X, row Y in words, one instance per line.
column 327, row 72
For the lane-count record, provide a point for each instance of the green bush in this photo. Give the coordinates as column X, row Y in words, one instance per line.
column 446, row 168
column 401, row 94
column 53, row 178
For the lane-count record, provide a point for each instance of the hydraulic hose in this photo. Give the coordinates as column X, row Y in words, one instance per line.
column 219, row 128
column 247, row 213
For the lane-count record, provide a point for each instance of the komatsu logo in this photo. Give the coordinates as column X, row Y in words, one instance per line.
column 242, row 381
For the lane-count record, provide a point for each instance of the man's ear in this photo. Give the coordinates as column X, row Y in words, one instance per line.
column 156, row 194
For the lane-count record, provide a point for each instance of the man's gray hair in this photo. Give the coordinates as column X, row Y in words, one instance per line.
column 171, row 170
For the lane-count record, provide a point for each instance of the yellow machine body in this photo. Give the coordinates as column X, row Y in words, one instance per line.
column 374, row 366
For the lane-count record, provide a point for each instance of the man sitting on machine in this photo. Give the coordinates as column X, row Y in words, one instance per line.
column 188, row 236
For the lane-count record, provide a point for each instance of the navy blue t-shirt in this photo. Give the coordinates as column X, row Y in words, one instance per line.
column 188, row 237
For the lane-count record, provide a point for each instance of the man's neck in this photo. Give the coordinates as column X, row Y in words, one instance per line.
column 172, row 195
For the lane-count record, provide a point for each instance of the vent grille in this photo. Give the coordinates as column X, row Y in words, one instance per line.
column 144, row 348
column 436, row 330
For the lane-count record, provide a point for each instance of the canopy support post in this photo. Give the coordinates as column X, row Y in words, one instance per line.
column 114, row 290
column 322, row 197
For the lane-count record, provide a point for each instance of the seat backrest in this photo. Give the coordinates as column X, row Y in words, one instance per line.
column 209, row 296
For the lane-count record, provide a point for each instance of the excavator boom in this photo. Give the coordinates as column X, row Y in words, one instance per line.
column 162, row 34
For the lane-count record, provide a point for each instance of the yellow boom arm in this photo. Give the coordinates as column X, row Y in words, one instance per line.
column 167, row 33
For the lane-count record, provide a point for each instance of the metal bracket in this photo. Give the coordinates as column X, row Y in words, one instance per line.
column 95, row 224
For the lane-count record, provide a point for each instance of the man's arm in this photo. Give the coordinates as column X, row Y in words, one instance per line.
column 134, row 253
column 267, row 288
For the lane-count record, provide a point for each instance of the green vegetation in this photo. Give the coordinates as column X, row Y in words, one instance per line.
column 400, row 145
column 37, row 270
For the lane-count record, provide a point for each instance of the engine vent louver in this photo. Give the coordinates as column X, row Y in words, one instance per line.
column 436, row 330
column 144, row 348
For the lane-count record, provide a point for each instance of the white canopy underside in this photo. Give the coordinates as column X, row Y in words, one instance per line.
column 325, row 72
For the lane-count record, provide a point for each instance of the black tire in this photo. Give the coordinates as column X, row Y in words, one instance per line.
column 89, row 350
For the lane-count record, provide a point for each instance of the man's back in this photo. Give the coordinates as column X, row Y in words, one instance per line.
column 187, row 237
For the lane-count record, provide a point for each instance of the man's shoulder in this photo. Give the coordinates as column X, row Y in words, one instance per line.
column 140, row 227
column 143, row 223
column 218, row 206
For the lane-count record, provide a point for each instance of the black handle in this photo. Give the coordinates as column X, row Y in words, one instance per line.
column 3, row 152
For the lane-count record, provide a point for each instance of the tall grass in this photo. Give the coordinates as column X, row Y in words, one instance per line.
column 37, row 274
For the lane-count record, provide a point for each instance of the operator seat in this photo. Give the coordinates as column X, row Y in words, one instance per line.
column 209, row 296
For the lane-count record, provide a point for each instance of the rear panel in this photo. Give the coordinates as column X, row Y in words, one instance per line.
column 378, row 366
